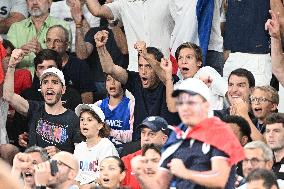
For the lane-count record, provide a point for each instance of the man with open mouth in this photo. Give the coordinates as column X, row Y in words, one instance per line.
column 51, row 125
column 149, row 91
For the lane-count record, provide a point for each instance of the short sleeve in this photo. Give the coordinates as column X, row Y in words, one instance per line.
column 131, row 81
column 116, row 7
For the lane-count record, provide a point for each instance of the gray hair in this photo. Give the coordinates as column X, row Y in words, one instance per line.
column 267, row 152
column 66, row 32
column 43, row 153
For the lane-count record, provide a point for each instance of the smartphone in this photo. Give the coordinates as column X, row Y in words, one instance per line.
column 53, row 167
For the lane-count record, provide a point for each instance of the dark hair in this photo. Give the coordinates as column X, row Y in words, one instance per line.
column 268, row 177
column 241, row 72
column 104, row 132
column 157, row 148
column 122, row 86
column 275, row 118
column 189, row 45
column 48, row 54
column 8, row 46
column 155, row 52
column 241, row 123
column 120, row 162
column 43, row 153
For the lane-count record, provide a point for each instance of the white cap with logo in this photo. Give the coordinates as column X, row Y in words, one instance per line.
column 53, row 71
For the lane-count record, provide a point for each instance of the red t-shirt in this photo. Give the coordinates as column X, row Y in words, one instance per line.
column 130, row 179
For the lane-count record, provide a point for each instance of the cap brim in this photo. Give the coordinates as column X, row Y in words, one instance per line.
column 81, row 107
column 177, row 92
column 50, row 73
column 148, row 125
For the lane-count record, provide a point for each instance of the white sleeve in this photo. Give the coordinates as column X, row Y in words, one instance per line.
column 116, row 8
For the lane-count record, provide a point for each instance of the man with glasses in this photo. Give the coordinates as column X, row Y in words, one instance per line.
column 257, row 156
column 64, row 179
column 264, row 101
column 76, row 72
column 274, row 134
column 195, row 155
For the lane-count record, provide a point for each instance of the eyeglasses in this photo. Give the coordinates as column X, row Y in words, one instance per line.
column 259, row 100
column 61, row 163
column 55, row 41
column 253, row 161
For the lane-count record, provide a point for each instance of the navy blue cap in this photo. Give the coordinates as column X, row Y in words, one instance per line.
column 155, row 123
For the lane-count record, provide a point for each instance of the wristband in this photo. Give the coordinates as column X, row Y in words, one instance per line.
column 12, row 66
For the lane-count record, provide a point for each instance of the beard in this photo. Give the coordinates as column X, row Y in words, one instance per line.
column 38, row 11
column 56, row 100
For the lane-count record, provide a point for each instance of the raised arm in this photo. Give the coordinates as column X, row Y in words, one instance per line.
column 277, row 57
column 99, row 10
column 83, row 49
column 278, row 8
column 16, row 101
column 140, row 46
column 120, row 38
column 108, row 66
column 166, row 65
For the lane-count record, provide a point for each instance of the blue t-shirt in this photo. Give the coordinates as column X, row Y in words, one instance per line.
column 244, row 26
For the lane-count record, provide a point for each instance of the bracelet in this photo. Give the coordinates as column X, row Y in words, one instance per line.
column 79, row 25
column 12, row 66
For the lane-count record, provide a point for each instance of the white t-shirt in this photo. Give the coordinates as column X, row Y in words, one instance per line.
column 9, row 6
column 147, row 20
column 89, row 159
column 216, row 39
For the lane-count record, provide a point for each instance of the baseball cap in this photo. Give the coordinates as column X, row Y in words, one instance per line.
column 193, row 86
column 53, row 71
column 155, row 123
column 91, row 107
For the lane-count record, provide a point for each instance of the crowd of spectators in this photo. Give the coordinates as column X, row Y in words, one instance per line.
column 141, row 94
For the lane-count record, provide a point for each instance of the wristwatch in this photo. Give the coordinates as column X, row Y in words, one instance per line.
column 40, row 187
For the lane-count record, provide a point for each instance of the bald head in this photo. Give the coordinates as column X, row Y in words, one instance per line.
column 67, row 159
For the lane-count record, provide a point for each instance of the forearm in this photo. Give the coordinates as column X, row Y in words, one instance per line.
column 277, row 59
column 8, row 87
column 278, row 8
column 105, row 59
column 169, row 99
column 87, row 97
column 98, row 10
column 120, row 39
column 255, row 134
column 80, row 44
